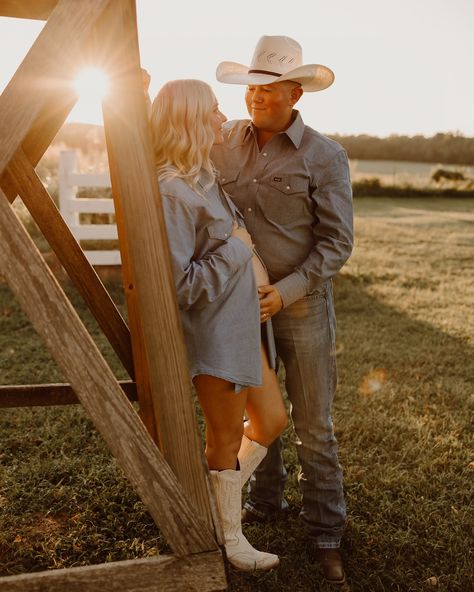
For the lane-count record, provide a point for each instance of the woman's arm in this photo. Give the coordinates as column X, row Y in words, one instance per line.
column 199, row 281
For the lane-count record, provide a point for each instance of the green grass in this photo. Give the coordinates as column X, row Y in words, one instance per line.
column 403, row 417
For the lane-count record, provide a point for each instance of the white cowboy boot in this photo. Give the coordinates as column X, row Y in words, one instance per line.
column 250, row 455
column 240, row 552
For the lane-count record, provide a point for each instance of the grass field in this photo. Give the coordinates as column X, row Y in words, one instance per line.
column 403, row 416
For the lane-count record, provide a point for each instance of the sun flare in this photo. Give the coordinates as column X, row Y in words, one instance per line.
column 91, row 84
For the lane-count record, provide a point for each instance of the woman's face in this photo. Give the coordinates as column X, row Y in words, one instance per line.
column 217, row 119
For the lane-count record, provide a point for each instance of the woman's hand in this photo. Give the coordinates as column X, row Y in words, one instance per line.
column 241, row 233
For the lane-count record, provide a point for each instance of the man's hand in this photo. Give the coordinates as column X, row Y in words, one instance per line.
column 270, row 302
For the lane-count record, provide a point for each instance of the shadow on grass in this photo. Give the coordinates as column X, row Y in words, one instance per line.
column 402, row 421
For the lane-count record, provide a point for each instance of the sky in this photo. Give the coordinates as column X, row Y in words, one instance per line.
column 401, row 67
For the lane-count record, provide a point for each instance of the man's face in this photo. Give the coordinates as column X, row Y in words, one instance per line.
column 270, row 105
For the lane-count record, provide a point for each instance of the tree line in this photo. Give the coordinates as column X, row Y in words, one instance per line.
column 441, row 148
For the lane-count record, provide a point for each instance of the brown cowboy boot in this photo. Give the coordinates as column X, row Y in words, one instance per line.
column 330, row 561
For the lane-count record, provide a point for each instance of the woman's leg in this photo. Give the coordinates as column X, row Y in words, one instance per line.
column 223, row 410
column 267, row 416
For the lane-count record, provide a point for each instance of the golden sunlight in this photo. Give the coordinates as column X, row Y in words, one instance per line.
column 92, row 83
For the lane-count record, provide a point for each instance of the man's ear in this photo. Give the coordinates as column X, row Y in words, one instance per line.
column 296, row 94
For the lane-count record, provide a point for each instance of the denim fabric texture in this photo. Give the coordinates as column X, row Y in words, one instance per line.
column 305, row 341
column 215, row 284
column 296, row 198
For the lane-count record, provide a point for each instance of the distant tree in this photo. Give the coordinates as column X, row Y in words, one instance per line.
column 449, row 148
column 82, row 136
column 441, row 148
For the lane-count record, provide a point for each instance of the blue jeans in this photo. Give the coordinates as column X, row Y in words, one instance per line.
column 305, row 336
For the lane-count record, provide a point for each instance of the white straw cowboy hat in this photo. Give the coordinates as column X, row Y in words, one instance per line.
column 276, row 58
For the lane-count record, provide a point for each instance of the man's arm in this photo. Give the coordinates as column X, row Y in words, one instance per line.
column 333, row 233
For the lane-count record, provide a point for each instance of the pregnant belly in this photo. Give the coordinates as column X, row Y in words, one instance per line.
column 261, row 275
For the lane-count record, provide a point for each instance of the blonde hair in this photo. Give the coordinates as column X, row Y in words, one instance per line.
column 182, row 131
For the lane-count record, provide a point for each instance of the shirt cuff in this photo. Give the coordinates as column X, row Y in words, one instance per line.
column 291, row 288
column 240, row 253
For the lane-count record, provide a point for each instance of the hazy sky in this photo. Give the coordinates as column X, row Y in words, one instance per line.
column 403, row 67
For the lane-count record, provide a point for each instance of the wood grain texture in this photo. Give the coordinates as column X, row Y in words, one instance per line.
column 47, row 216
column 28, row 9
column 73, row 349
column 135, row 186
column 45, row 395
column 194, row 573
column 42, row 132
column 49, row 66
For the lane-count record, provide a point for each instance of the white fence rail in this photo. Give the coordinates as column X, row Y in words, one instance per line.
column 71, row 207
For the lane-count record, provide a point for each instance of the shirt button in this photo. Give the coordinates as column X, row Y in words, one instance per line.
column 249, row 209
column 264, row 154
column 223, row 179
column 254, row 180
column 225, row 234
column 288, row 187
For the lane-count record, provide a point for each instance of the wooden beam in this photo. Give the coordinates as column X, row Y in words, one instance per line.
column 135, row 187
column 27, row 9
column 203, row 572
column 49, row 66
column 45, row 395
column 100, row 50
column 45, row 127
column 73, row 349
column 47, row 216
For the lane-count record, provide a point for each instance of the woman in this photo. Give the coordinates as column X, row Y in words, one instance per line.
column 216, row 274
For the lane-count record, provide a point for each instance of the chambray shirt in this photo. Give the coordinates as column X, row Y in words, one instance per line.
column 215, row 284
column 296, row 198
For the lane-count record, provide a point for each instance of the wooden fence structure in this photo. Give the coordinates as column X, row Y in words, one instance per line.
column 71, row 208
column 159, row 450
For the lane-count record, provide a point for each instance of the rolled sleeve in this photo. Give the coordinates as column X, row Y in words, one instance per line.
column 204, row 280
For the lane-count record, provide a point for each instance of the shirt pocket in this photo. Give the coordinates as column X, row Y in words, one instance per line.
column 229, row 183
column 285, row 200
column 219, row 230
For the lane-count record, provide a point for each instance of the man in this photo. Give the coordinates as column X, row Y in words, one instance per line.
column 293, row 187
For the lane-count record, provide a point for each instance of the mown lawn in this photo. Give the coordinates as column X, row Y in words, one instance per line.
column 403, row 416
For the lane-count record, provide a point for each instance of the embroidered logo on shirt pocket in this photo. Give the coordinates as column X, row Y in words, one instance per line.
column 289, row 184
column 289, row 202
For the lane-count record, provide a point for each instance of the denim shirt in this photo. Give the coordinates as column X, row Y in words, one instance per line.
column 296, row 197
column 215, row 284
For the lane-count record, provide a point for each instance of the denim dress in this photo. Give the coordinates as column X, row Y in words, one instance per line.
column 215, row 284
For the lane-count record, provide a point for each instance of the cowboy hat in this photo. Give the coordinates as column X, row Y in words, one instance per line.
column 275, row 59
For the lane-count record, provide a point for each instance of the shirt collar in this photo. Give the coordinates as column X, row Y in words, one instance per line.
column 294, row 132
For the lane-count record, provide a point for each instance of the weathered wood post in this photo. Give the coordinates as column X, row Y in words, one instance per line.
column 143, row 234
column 180, row 498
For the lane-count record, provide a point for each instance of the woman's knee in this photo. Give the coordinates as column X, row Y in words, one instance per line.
column 266, row 429
column 281, row 422
column 278, row 425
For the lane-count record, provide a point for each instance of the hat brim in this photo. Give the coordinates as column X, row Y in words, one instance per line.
column 312, row 77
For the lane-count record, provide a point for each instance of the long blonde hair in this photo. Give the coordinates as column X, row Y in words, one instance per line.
column 182, row 131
